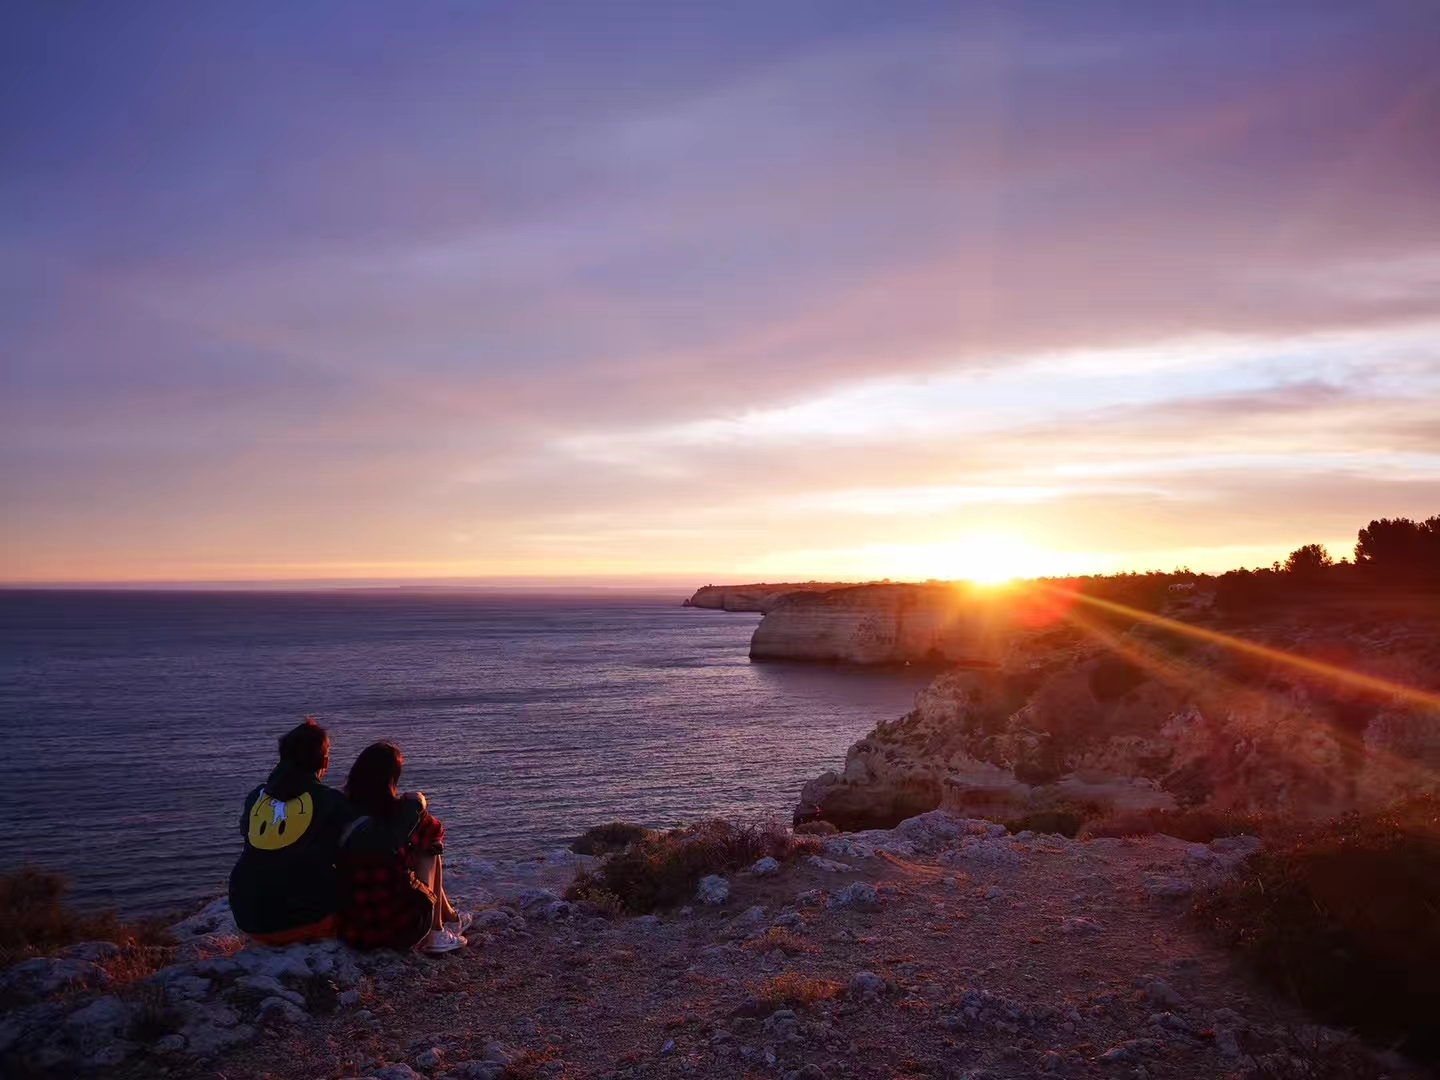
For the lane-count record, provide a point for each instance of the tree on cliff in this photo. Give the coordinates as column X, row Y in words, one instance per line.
column 1401, row 550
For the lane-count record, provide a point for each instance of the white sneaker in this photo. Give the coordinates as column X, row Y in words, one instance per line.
column 461, row 922
column 443, row 941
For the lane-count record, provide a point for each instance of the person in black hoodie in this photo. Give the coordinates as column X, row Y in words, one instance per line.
column 283, row 888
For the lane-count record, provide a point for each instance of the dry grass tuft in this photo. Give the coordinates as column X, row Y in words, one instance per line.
column 792, row 990
column 777, row 937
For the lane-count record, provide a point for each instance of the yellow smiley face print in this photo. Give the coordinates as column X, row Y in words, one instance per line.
column 275, row 824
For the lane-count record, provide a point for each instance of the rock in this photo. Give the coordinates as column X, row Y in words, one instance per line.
column 555, row 910
column 497, row 920
column 97, row 952
column 529, row 899
column 1162, row 993
column 668, row 1048
column 262, row 986
column 186, row 988
column 829, row 866
column 498, row 1053
column 205, row 1040
column 477, row 1070
column 981, row 849
column 993, row 892
column 859, row 896
column 429, row 1059
column 1167, row 886
column 790, row 920
column 170, row 1044
column 765, row 866
column 750, row 921
column 865, row 983
column 103, row 1019
column 1078, row 925
column 714, row 890
column 398, row 1071
column 810, row 898
column 21, row 1028
column 282, row 1010
column 216, row 967
column 273, row 963
column 215, row 919
column 45, row 976
column 1236, row 847
column 346, row 998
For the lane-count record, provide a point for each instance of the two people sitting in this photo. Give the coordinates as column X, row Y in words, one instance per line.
column 363, row 864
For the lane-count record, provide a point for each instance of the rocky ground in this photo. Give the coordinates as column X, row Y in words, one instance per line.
column 943, row 948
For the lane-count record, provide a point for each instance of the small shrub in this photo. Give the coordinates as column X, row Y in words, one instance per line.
column 662, row 869
column 1346, row 920
column 1198, row 826
column 35, row 920
column 607, row 838
column 792, row 989
column 1064, row 822
column 607, row 903
column 777, row 937
column 816, row 828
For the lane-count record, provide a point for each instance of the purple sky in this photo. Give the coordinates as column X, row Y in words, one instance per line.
column 734, row 290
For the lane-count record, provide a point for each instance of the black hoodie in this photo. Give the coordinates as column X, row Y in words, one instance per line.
column 285, row 878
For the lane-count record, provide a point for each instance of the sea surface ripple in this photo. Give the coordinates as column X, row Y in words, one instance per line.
column 135, row 723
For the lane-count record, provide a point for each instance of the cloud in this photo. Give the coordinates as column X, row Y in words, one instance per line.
column 349, row 297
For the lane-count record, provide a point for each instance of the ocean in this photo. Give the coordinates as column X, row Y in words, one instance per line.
column 134, row 723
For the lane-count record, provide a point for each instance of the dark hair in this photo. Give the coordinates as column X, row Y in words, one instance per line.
column 306, row 747
column 371, row 784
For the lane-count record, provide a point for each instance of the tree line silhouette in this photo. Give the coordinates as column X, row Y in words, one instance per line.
column 1390, row 554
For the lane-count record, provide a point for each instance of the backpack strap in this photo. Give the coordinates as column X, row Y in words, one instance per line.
column 350, row 829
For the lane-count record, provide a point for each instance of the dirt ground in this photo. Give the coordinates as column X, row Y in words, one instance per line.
column 1056, row 960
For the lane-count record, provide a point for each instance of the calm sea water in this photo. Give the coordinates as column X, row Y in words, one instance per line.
column 134, row 723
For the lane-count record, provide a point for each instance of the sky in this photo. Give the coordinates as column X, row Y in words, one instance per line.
column 623, row 291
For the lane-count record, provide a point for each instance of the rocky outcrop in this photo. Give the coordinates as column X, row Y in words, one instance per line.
column 1142, row 722
column 884, row 624
column 759, row 598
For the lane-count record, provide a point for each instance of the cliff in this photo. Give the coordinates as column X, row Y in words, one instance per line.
column 884, row 624
column 945, row 948
column 1152, row 720
column 759, row 597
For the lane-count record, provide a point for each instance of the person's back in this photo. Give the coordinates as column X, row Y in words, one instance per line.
column 283, row 888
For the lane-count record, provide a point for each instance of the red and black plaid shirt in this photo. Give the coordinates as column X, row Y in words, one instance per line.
column 382, row 904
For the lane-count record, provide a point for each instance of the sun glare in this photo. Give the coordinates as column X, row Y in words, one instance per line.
column 982, row 558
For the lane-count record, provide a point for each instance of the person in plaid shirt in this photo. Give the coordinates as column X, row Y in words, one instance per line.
column 392, row 889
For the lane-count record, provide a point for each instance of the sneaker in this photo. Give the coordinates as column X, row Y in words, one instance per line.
column 443, row 941
column 461, row 922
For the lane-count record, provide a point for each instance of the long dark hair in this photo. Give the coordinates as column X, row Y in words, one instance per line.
column 371, row 784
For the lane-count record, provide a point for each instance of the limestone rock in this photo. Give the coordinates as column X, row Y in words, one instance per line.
column 859, row 896
column 880, row 624
column 45, row 976
column 714, row 890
